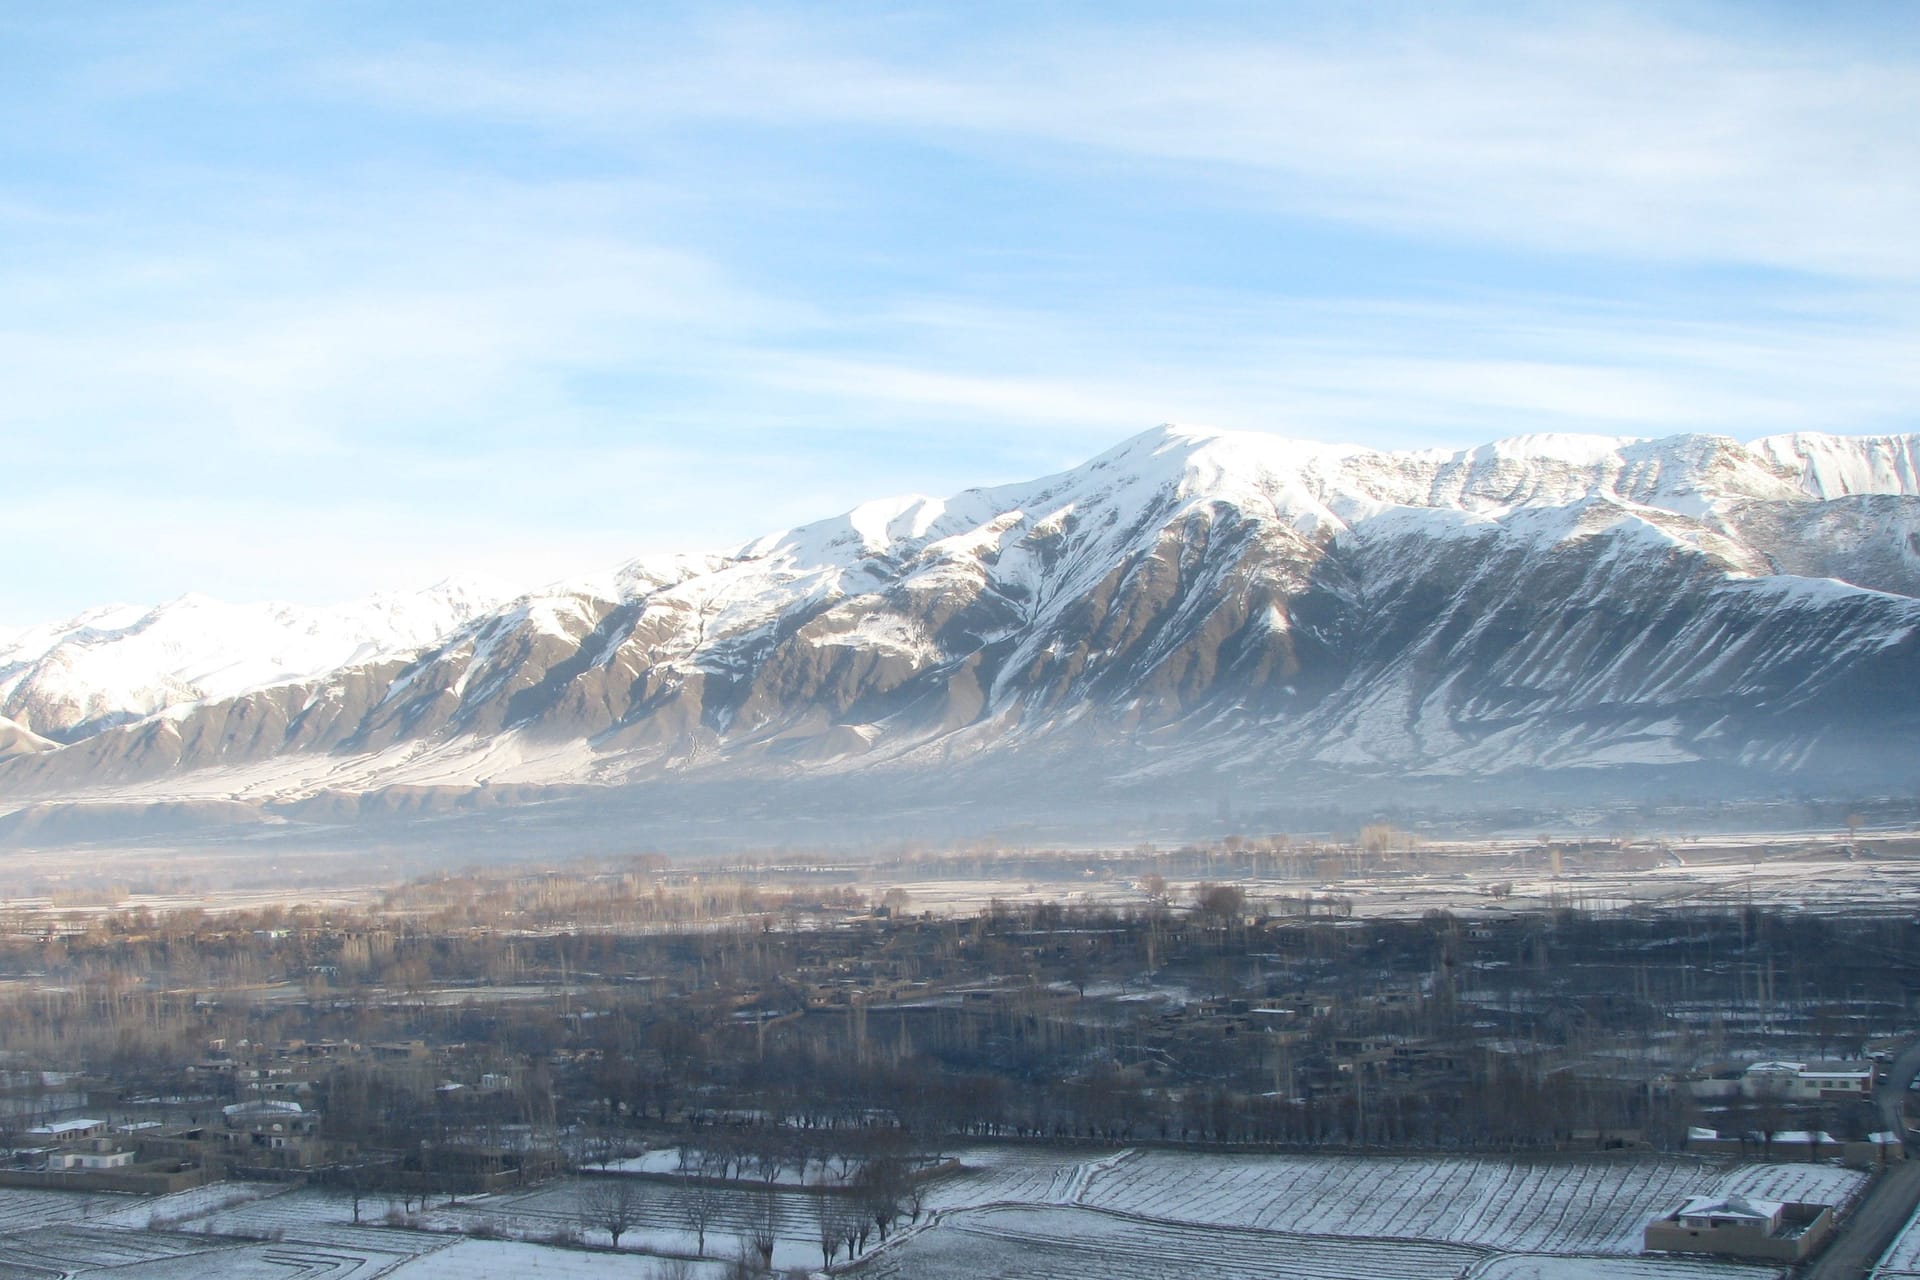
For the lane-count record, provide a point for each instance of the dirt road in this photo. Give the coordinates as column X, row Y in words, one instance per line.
column 1871, row 1227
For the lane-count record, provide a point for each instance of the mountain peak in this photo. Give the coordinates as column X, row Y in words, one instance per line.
column 1191, row 602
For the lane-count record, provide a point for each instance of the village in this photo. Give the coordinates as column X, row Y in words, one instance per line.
column 788, row 1040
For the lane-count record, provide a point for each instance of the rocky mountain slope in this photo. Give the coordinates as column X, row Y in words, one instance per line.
column 1189, row 604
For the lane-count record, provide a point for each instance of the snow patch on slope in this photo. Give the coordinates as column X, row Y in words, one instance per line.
column 126, row 662
column 1837, row 466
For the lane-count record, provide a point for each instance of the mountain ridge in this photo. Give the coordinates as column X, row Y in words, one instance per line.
column 1188, row 603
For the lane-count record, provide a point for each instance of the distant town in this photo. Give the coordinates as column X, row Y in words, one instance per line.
column 647, row 1050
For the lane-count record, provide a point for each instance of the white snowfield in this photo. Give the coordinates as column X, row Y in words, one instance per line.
column 1017, row 1213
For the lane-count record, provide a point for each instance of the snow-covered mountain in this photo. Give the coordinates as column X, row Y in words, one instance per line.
column 121, row 663
column 1191, row 603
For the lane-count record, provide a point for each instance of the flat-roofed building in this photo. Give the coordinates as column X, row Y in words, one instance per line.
column 1738, row 1226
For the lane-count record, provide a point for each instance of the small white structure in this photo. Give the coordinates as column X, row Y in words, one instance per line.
column 108, row 1159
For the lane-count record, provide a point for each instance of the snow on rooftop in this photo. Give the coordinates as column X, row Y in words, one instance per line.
column 57, row 1127
column 1733, row 1206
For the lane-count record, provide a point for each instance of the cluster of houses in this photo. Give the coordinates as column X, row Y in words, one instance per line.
column 1784, row 1087
column 1761, row 1230
column 102, row 1141
column 1790, row 1082
column 258, row 1137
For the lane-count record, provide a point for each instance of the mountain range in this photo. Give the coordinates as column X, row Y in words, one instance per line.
column 1191, row 610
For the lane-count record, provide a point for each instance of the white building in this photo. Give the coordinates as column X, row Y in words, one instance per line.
column 1808, row 1081
column 94, row 1159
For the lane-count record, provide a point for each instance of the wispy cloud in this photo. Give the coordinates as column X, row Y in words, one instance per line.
column 296, row 299
column 1606, row 131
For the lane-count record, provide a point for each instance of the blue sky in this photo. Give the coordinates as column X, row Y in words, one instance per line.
column 301, row 301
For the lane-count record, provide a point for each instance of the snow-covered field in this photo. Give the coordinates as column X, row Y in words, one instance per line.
column 22, row 1209
column 1013, row 1212
column 1038, row 1215
column 59, row 1250
column 1812, row 1183
column 1061, row 1243
column 1012, row 1174
column 1532, row 1267
column 478, row 1259
column 194, row 1206
column 1552, row 1206
column 659, row 1223
column 228, row 1231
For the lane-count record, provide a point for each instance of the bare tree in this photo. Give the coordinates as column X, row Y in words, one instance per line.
column 831, row 1218
column 881, row 1185
column 1223, row 902
column 611, row 1205
column 766, row 1232
column 357, row 1173
column 770, row 1153
column 697, row 1200
column 913, row 1195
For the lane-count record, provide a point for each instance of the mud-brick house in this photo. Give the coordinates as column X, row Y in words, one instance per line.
column 1742, row 1227
column 268, row 1133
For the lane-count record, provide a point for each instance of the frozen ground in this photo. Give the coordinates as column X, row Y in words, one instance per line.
column 20, row 1209
column 1034, row 1215
column 228, row 1231
column 1517, row 1267
column 1501, row 1204
column 1060, row 1243
column 660, row 1225
column 182, row 1207
column 1549, row 1206
column 478, row 1259
column 1011, row 1212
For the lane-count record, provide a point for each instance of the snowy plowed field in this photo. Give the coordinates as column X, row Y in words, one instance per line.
column 1162, row 1215
column 199, row 1235
column 20, row 1210
column 1058, row 1243
column 1554, row 1206
column 1512, row 1266
column 1006, row 1213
